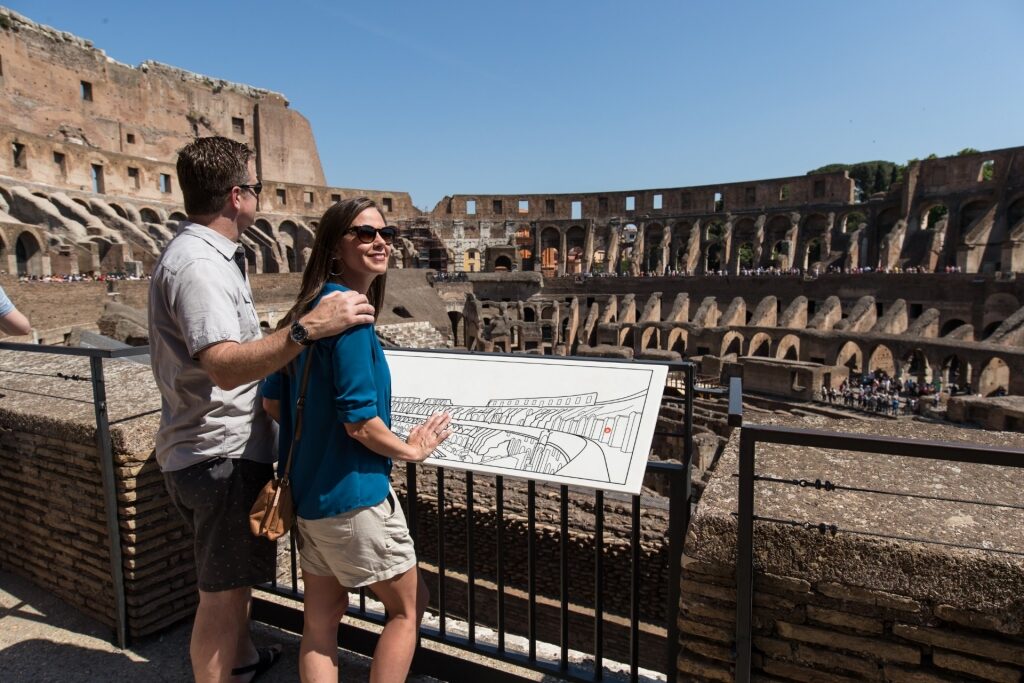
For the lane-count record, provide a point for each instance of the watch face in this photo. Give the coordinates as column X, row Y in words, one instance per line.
column 299, row 333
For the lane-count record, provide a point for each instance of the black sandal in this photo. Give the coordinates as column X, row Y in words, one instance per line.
column 268, row 656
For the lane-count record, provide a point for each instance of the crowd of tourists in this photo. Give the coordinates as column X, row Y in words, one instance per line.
column 80, row 277
column 877, row 392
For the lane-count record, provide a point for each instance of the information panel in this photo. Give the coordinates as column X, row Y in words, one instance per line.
column 580, row 422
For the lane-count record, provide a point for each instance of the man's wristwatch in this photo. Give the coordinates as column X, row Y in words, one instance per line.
column 299, row 334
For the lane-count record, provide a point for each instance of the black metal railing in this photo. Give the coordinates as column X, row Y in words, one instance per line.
column 755, row 434
column 106, row 454
column 436, row 495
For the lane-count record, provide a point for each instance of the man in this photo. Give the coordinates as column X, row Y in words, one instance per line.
column 215, row 445
column 12, row 321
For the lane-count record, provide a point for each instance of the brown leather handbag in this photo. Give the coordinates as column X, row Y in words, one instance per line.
column 273, row 513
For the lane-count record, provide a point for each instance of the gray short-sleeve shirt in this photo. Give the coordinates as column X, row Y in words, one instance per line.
column 198, row 297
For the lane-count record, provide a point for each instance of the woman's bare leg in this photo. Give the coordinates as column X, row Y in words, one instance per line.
column 405, row 598
column 324, row 605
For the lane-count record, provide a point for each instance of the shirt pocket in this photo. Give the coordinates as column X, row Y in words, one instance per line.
column 248, row 321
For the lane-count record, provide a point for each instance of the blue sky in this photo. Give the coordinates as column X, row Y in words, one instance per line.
column 565, row 96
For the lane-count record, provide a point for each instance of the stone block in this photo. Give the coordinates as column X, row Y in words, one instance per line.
column 853, row 622
column 880, row 649
column 694, row 669
column 868, row 669
column 998, row 622
column 1006, row 651
column 976, row 667
column 868, row 597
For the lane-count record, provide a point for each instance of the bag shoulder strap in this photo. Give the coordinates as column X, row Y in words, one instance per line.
column 299, row 410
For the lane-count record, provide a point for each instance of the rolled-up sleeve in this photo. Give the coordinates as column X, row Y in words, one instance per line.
column 271, row 387
column 355, row 391
column 203, row 307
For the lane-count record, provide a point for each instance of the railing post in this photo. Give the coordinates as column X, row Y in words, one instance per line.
column 745, row 558
column 106, row 454
column 679, row 523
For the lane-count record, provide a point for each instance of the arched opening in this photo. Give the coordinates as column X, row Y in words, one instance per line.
column 881, row 360
column 471, row 261
column 997, row 308
column 745, row 256
column 575, row 239
column 177, row 216
column 954, row 373
column 713, row 259
column 28, row 255
column 995, row 378
column 760, row 346
column 990, row 329
column 118, row 209
column 788, row 348
column 950, row 326
column 549, row 242
column 853, row 221
column 529, row 314
column 264, row 227
column 886, row 220
column 524, row 242
column 932, row 215
column 732, row 346
column 780, row 255
column 653, row 235
column 812, row 254
column 454, row 318
column 915, row 366
column 502, row 264
column 677, row 341
column 1015, row 212
column 972, row 211
column 680, row 246
column 149, row 215
column 851, row 357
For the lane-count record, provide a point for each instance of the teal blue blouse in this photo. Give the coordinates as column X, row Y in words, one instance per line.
column 349, row 382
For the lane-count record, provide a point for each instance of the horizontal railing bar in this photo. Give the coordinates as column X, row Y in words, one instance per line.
column 75, row 350
column 911, row 448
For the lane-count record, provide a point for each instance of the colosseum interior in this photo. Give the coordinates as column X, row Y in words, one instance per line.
column 799, row 284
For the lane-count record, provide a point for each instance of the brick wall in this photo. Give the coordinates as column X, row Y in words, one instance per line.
column 51, row 491
column 827, row 631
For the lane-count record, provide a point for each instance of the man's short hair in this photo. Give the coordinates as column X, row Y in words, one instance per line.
column 207, row 170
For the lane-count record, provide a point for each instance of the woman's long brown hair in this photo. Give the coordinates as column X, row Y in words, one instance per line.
column 336, row 220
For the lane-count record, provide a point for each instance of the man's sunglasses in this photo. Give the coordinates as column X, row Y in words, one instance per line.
column 367, row 233
column 255, row 189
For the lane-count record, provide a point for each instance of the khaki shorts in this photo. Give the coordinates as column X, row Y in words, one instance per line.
column 359, row 547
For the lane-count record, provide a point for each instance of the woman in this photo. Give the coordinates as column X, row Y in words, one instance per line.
column 352, row 531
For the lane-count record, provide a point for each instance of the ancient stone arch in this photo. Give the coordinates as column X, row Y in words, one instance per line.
column 994, row 376
column 788, row 348
column 881, row 358
column 28, row 254
column 760, row 345
column 550, row 245
column 732, row 345
column 851, row 356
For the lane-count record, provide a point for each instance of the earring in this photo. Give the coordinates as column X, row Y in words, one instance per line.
column 331, row 270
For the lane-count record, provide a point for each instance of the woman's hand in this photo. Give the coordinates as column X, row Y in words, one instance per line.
column 424, row 438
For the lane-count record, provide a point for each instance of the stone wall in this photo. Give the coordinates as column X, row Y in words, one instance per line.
column 930, row 600
column 52, row 492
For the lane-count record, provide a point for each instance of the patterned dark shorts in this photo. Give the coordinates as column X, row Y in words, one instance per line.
column 215, row 497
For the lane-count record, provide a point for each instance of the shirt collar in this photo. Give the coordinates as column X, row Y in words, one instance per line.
column 222, row 244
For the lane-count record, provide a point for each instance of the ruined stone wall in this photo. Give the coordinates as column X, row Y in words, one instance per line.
column 921, row 582
column 51, row 493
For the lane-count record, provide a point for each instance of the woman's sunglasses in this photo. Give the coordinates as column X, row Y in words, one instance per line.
column 367, row 233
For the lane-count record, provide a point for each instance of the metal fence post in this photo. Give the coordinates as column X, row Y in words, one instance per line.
column 745, row 558
column 106, row 454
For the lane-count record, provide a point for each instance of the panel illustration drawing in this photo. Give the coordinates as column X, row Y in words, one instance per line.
column 580, row 422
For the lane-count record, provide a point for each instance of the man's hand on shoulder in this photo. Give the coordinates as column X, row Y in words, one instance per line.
column 337, row 312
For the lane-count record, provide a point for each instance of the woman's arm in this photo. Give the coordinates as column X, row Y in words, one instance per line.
column 273, row 408
column 423, row 438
